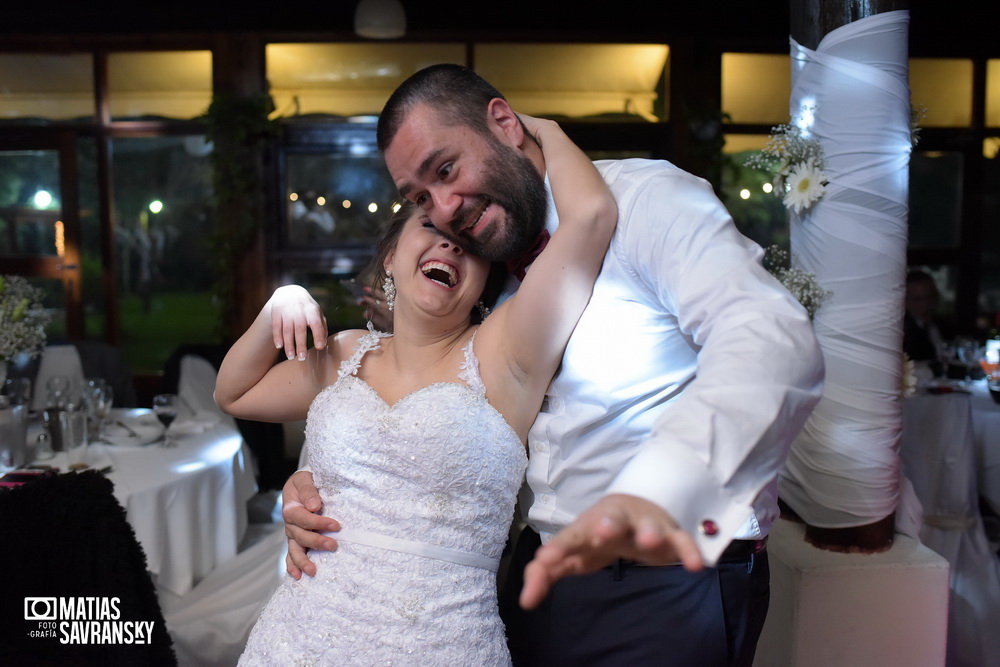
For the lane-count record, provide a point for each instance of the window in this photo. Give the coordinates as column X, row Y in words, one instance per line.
column 166, row 84
column 346, row 79
column 50, row 86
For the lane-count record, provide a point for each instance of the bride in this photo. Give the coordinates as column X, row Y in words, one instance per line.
column 416, row 438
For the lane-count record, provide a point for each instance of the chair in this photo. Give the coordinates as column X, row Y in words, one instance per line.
column 66, row 537
column 265, row 440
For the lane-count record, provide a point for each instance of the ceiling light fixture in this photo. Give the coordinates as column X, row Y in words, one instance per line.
column 380, row 19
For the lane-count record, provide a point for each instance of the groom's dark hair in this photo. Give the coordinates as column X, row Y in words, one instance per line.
column 459, row 95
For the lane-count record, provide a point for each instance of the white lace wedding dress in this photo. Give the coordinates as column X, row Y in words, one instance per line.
column 424, row 490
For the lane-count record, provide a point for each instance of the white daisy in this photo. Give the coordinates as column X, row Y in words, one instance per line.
column 806, row 184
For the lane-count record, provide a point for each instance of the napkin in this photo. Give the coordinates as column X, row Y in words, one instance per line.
column 200, row 421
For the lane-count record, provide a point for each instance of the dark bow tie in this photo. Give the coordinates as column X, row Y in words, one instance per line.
column 518, row 266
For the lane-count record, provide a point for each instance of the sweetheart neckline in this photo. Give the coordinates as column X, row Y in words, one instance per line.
column 405, row 397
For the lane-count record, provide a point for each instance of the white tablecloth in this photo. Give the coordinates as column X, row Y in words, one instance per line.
column 986, row 428
column 187, row 504
column 938, row 451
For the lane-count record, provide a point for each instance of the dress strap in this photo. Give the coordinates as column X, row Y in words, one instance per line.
column 368, row 342
column 421, row 549
column 469, row 369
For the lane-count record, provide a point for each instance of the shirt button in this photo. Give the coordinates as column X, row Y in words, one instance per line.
column 540, row 447
column 546, row 498
column 708, row 528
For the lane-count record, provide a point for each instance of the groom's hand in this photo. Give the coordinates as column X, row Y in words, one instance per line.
column 300, row 504
column 617, row 526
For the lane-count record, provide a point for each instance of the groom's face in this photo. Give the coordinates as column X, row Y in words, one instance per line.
column 483, row 193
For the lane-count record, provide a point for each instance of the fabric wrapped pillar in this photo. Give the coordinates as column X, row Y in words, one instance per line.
column 852, row 94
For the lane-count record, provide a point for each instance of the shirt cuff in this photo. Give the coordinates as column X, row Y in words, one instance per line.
column 686, row 489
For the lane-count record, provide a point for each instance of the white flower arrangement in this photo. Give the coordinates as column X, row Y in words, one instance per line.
column 22, row 318
column 802, row 284
column 798, row 165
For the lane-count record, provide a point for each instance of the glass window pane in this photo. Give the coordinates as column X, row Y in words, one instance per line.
column 165, row 216
column 30, row 210
column 90, row 223
column 164, row 84
column 989, row 295
column 608, row 81
column 747, row 193
column 993, row 93
column 346, row 79
column 336, row 294
column 48, row 86
column 337, row 197
column 942, row 86
column 756, row 88
column 935, row 198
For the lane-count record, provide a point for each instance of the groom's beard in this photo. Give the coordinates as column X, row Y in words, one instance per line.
column 513, row 184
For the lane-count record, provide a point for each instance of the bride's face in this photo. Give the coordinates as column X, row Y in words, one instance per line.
column 433, row 272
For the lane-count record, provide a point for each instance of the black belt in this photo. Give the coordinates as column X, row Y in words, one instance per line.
column 738, row 551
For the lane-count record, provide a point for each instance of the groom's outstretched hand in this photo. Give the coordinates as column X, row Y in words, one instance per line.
column 617, row 526
column 300, row 504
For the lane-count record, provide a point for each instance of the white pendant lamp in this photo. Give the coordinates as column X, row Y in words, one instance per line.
column 380, row 19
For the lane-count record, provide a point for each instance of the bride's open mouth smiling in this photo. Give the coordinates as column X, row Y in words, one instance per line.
column 441, row 273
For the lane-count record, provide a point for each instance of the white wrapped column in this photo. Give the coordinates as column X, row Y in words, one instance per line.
column 852, row 94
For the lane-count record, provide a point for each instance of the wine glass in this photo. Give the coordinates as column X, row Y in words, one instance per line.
column 101, row 401
column 968, row 354
column 165, row 408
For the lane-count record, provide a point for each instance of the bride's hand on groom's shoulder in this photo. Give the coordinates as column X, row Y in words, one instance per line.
column 303, row 524
column 294, row 312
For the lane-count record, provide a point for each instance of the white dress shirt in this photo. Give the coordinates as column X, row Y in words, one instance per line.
column 687, row 378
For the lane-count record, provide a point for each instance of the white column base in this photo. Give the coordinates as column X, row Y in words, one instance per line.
column 832, row 609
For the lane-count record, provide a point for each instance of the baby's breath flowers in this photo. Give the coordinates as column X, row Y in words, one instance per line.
column 798, row 165
column 22, row 318
column 802, row 284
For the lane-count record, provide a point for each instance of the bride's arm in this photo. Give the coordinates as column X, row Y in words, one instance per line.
column 536, row 323
column 251, row 385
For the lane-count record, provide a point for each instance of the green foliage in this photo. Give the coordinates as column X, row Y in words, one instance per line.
column 239, row 129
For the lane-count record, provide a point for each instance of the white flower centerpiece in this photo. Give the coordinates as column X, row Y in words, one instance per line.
column 798, row 165
column 22, row 320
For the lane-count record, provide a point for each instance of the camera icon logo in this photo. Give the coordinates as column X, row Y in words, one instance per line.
column 40, row 609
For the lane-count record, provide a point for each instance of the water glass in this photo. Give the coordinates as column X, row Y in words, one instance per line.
column 13, row 434
column 98, row 399
column 18, row 389
column 74, row 437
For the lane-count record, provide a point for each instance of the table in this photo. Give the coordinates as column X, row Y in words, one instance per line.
column 938, row 449
column 187, row 504
column 986, row 428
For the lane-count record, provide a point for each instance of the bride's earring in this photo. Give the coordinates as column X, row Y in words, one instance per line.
column 389, row 288
column 484, row 311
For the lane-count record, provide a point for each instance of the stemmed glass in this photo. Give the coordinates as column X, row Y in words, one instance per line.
column 968, row 354
column 165, row 408
column 98, row 399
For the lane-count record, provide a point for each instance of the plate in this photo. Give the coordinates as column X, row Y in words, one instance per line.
column 145, row 427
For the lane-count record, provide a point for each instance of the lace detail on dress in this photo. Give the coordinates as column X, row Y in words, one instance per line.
column 469, row 369
column 440, row 467
column 366, row 344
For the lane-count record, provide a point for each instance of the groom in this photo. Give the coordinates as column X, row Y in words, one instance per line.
column 653, row 461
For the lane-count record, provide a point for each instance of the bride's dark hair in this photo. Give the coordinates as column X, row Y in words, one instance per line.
column 388, row 240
